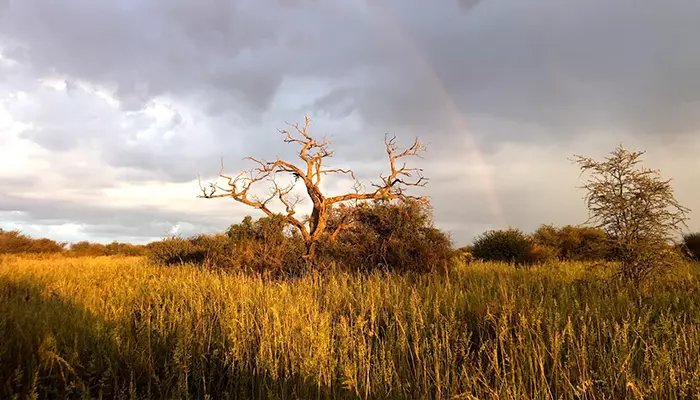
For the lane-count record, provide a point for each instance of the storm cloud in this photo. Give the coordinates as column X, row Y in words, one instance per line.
column 112, row 108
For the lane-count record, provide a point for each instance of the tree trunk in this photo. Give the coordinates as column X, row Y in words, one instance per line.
column 317, row 227
column 310, row 255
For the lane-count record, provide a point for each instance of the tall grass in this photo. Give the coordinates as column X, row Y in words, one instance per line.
column 122, row 328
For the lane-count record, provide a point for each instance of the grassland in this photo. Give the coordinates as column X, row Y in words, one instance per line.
column 121, row 328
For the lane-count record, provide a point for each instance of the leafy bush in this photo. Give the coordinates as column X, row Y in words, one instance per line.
column 170, row 251
column 260, row 246
column 267, row 229
column 205, row 250
column 124, row 249
column 14, row 242
column 691, row 243
column 388, row 236
column 267, row 246
column 572, row 243
column 509, row 245
column 86, row 249
column 397, row 236
column 539, row 254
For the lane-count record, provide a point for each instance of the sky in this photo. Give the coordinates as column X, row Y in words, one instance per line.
column 110, row 110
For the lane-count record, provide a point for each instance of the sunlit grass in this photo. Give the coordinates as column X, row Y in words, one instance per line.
column 119, row 327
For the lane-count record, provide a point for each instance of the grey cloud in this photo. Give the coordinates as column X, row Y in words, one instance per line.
column 338, row 103
column 75, row 119
column 605, row 65
column 63, row 120
column 230, row 51
column 227, row 60
column 573, row 66
column 497, row 72
column 141, row 51
column 467, row 5
column 137, row 221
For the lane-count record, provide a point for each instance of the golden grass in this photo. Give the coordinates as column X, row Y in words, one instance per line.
column 121, row 328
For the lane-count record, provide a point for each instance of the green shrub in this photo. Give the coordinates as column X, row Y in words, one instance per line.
column 539, row 254
column 691, row 244
column 210, row 251
column 215, row 251
column 511, row 246
column 171, row 251
column 572, row 243
column 386, row 236
column 390, row 236
column 267, row 229
column 267, row 246
column 124, row 249
column 86, row 249
column 260, row 246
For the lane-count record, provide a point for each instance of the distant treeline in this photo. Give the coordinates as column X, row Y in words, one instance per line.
column 15, row 242
column 384, row 236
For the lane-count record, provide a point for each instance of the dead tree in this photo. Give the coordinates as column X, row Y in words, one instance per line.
column 312, row 170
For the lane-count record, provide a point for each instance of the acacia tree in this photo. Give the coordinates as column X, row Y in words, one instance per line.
column 310, row 172
column 636, row 208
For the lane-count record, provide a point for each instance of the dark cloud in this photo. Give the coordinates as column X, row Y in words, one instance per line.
column 572, row 67
column 235, row 53
column 157, row 92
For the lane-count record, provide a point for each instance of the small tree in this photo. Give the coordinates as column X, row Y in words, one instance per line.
column 313, row 153
column 636, row 208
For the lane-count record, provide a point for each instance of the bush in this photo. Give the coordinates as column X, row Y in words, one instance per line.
column 386, row 236
column 124, row 249
column 539, row 254
column 86, row 249
column 260, row 246
column 170, row 251
column 267, row 246
column 691, row 244
column 572, row 243
column 511, row 246
column 14, row 242
column 205, row 250
column 391, row 236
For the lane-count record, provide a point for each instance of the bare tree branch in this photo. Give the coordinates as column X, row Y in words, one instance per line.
column 399, row 179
